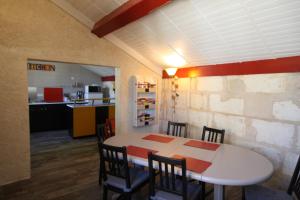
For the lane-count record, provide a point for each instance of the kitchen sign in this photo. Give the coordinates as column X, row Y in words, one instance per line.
column 43, row 67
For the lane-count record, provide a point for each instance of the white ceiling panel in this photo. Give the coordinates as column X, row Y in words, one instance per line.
column 207, row 31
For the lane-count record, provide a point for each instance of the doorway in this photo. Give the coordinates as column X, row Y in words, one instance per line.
column 66, row 103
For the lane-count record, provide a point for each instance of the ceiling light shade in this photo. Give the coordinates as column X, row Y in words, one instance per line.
column 171, row 71
column 174, row 60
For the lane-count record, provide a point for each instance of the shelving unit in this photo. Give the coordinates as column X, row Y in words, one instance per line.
column 145, row 102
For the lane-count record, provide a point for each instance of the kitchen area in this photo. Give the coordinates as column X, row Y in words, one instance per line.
column 69, row 97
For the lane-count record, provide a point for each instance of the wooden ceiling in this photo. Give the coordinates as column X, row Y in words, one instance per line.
column 202, row 32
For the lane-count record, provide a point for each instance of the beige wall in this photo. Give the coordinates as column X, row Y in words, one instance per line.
column 260, row 112
column 37, row 29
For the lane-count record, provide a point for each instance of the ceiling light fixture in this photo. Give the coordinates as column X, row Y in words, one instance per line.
column 171, row 71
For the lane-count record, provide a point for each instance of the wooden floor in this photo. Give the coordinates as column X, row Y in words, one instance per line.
column 63, row 168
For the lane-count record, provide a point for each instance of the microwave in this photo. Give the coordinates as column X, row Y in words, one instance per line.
column 93, row 89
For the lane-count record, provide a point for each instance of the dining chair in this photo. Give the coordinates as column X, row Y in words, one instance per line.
column 213, row 134
column 117, row 175
column 169, row 186
column 177, row 129
column 100, row 132
column 111, row 124
column 104, row 131
column 257, row 192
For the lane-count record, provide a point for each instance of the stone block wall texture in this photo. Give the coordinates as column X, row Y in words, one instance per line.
column 39, row 30
column 259, row 112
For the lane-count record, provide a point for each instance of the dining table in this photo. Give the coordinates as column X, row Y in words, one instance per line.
column 218, row 164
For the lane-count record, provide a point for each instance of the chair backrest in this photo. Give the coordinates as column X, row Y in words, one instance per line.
column 294, row 186
column 164, row 167
column 110, row 127
column 177, row 129
column 112, row 123
column 214, row 135
column 113, row 162
column 100, row 132
column 103, row 132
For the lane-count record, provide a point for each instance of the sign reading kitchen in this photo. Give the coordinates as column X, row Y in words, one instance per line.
column 43, row 67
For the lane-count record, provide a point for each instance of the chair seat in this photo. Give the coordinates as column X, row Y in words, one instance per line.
column 137, row 177
column 193, row 192
column 257, row 192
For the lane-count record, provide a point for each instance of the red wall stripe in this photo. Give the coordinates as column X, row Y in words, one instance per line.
column 108, row 78
column 280, row 65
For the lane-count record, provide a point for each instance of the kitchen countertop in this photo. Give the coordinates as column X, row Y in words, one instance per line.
column 49, row 103
column 71, row 104
column 90, row 105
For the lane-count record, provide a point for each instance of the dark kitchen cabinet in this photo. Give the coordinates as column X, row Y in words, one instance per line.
column 101, row 114
column 47, row 117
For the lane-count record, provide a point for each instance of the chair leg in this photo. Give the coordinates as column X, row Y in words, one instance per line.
column 203, row 191
column 224, row 192
column 100, row 176
column 128, row 196
column 104, row 193
column 243, row 193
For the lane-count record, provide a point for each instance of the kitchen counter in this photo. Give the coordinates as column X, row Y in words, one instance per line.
column 86, row 117
column 49, row 103
column 89, row 105
column 48, row 116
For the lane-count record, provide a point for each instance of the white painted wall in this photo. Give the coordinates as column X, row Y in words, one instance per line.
column 260, row 112
column 64, row 76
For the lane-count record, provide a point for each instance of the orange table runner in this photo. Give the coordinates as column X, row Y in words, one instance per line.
column 202, row 145
column 193, row 164
column 158, row 138
column 139, row 151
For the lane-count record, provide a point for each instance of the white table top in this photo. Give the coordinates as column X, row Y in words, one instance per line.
column 231, row 165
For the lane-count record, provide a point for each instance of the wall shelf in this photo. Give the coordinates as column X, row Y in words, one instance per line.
column 145, row 102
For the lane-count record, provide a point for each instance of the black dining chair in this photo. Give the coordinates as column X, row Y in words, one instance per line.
column 117, row 175
column 257, row 192
column 177, row 129
column 103, row 132
column 100, row 133
column 169, row 186
column 211, row 135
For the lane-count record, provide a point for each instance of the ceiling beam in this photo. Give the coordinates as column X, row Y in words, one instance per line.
column 125, row 14
column 269, row 66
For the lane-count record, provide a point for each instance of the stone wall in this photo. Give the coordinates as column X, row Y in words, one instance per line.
column 260, row 112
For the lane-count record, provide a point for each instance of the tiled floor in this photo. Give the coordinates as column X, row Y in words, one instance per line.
column 67, row 169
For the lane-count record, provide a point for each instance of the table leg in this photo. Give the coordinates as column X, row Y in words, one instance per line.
column 218, row 192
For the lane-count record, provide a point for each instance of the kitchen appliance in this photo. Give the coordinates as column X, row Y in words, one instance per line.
column 94, row 92
column 80, row 94
column 106, row 95
column 92, row 89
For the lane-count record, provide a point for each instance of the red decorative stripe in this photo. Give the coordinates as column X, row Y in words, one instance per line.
column 125, row 14
column 108, row 78
column 280, row 65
